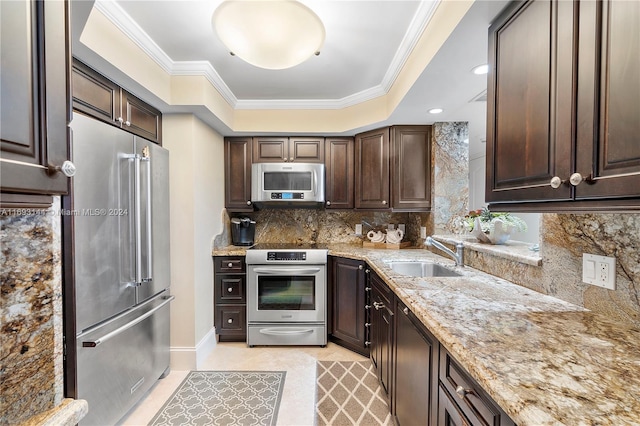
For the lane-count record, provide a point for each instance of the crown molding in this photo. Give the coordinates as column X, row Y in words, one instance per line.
column 112, row 11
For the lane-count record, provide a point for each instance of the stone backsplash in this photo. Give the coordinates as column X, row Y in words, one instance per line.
column 31, row 377
column 310, row 226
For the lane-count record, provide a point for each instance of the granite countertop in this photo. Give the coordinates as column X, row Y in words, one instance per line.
column 543, row 360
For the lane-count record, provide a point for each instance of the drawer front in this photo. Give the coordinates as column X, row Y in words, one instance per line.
column 472, row 400
column 230, row 289
column 229, row 264
column 231, row 319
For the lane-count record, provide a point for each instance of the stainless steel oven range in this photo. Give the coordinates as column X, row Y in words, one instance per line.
column 286, row 295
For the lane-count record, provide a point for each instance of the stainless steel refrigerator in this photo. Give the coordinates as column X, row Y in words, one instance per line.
column 120, row 255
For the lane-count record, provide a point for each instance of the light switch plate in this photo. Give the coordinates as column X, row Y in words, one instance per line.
column 599, row 270
column 423, row 232
column 401, row 227
column 358, row 229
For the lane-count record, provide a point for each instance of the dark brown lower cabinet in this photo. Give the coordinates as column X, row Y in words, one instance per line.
column 230, row 302
column 415, row 386
column 381, row 331
column 448, row 411
column 347, row 304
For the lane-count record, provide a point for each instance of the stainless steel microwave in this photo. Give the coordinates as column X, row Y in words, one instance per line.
column 287, row 184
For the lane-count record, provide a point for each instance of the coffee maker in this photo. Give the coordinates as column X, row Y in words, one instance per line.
column 243, row 231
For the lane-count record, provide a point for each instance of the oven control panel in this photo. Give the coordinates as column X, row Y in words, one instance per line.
column 286, row 255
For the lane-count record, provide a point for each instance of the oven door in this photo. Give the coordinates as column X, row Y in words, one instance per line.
column 286, row 293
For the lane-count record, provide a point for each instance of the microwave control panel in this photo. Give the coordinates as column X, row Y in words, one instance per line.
column 287, row 195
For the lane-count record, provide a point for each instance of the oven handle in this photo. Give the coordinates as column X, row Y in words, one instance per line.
column 276, row 332
column 283, row 271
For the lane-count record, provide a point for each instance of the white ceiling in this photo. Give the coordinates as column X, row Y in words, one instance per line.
column 366, row 45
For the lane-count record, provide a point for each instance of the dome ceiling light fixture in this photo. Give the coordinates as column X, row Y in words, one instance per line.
column 271, row 34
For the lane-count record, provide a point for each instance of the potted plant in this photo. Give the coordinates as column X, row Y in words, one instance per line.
column 491, row 227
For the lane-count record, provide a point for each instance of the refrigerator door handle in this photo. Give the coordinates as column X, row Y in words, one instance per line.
column 147, row 159
column 114, row 333
column 138, row 221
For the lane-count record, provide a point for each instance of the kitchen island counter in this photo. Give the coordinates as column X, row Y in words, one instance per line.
column 543, row 360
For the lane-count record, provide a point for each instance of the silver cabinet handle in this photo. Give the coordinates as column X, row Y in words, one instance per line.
column 127, row 123
column 290, row 158
column 229, row 265
column 406, row 311
column 367, row 324
column 384, row 202
column 230, row 289
column 367, row 307
column 367, row 343
column 284, row 159
column 367, row 289
column 108, row 336
column 462, row 392
column 230, row 321
column 378, row 305
column 366, row 271
column 556, row 182
column 328, row 203
column 248, row 203
column 120, row 120
column 360, row 267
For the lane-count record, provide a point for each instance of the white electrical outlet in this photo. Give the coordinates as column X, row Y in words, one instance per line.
column 358, row 229
column 599, row 270
column 391, row 226
column 401, row 227
column 423, row 232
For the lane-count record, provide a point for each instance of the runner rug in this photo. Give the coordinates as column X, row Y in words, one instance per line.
column 224, row 398
column 348, row 393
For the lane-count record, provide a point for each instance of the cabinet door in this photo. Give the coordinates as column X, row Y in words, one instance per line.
column 411, row 168
column 237, row 174
column 34, row 113
column 382, row 331
column 306, row 150
column 416, row 371
column 94, row 94
column 529, row 101
column 449, row 413
column 348, row 302
column 339, row 157
column 270, row 150
column 609, row 99
column 372, row 170
column 140, row 118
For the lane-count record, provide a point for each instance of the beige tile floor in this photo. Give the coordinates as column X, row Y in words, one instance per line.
column 297, row 406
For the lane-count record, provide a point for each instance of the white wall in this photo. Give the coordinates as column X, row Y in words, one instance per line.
column 197, row 199
column 477, row 172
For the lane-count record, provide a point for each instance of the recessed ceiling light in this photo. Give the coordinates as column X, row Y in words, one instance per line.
column 480, row 69
column 435, row 110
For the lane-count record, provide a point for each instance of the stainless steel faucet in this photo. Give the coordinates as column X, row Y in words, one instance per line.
column 458, row 256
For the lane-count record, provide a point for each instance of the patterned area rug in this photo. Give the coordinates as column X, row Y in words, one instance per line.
column 224, row 398
column 348, row 394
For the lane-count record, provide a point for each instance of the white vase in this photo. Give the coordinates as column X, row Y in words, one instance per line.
column 500, row 235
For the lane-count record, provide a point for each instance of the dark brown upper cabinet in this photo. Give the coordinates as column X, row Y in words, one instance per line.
column 562, row 109
column 393, row 169
column 411, row 168
column 237, row 174
column 35, row 111
column 101, row 98
column 372, row 170
column 339, row 176
column 288, row 150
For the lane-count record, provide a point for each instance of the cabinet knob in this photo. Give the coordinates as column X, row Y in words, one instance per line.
column 367, row 307
column 284, row 159
column 360, row 267
column 120, row 120
column 230, row 289
column 367, row 324
column 230, row 321
column 462, row 392
column 291, row 159
column 367, row 343
column 378, row 305
column 367, row 289
column 248, row 203
column 556, row 182
column 576, row 178
column 366, row 271
column 328, row 203
column 406, row 311
column 230, row 265
column 67, row 168
column 384, row 202
column 127, row 123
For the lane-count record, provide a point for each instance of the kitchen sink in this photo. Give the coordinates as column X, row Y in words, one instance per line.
column 421, row 269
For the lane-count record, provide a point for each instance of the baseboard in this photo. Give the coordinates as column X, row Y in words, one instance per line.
column 189, row 358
